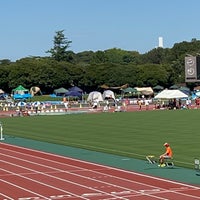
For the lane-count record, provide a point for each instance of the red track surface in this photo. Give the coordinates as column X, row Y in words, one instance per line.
column 33, row 175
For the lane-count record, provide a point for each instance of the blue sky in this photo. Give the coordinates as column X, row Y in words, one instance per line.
column 27, row 27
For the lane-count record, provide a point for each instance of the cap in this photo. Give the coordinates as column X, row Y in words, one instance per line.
column 166, row 144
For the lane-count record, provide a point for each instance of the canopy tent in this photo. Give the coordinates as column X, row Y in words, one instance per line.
column 60, row 91
column 129, row 90
column 76, row 89
column 145, row 90
column 95, row 96
column 174, row 87
column 104, row 86
column 21, row 93
column 171, row 94
column 108, row 94
column 158, row 88
column 73, row 94
column 20, row 90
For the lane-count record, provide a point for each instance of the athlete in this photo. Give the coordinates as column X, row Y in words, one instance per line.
column 167, row 155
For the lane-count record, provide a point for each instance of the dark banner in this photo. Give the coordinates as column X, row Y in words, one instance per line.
column 190, row 69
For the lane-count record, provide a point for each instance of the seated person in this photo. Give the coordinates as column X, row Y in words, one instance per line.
column 167, row 155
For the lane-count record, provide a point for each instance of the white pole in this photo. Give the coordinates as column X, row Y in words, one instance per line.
column 1, row 132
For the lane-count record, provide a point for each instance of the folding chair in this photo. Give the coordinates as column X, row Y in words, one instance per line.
column 169, row 162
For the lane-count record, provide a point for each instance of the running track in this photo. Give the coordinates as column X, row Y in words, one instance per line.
column 27, row 174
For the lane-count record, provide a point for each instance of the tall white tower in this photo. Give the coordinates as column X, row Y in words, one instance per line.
column 160, row 42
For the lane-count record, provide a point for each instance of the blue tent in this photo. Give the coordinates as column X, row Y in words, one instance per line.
column 75, row 89
column 73, row 94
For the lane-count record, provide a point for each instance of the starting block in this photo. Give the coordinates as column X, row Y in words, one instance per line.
column 151, row 159
column 197, row 166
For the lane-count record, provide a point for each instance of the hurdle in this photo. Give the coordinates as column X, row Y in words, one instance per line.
column 197, row 166
column 1, row 131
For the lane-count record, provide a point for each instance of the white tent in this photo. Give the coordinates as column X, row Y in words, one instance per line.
column 108, row 94
column 95, row 96
column 1, row 91
column 145, row 90
column 171, row 94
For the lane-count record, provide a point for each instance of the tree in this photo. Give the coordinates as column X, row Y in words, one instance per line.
column 61, row 44
column 5, row 62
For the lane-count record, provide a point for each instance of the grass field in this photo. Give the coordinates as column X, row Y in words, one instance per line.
column 132, row 134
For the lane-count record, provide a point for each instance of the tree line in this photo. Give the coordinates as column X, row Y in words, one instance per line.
column 89, row 70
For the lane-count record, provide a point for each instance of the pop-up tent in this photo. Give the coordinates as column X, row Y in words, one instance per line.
column 108, row 94
column 95, row 96
column 76, row 89
column 171, row 94
column 145, row 90
column 158, row 88
column 129, row 90
column 73, row 94
column 60, row 91
column 20, row 90
column 21, row 93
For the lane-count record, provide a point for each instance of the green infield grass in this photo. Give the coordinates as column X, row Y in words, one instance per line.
column 131, row 134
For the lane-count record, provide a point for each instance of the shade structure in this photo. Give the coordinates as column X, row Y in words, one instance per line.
column 76, row 89
column 145, row 90
column 129, row 90
column 60, row 91
column 95, row 96
column 73, row 94
column 171, row 94
column 20, row 90
column 108, row 94
column 158, row 87
column 174, row 87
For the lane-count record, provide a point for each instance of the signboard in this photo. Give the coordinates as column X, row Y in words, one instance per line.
column 190, row 69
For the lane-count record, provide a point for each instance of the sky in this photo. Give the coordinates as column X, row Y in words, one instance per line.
column 28, row 27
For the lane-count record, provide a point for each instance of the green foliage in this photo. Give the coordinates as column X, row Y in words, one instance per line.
column 61, row 44
column 4, row 73
column 89, row 70
column 132, row 134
